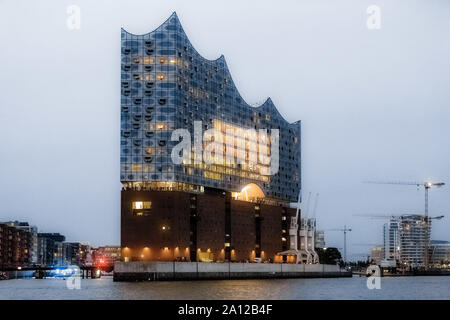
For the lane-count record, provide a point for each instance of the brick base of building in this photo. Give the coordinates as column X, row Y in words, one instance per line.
column 208, row 227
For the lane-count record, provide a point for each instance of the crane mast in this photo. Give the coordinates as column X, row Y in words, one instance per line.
column 427, row 186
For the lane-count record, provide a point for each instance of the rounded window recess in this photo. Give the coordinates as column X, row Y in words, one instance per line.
column 126, row 51
column 162, row 101
column 148, row 117
column 149, row 85
column 149, row 52
column 137, row 101
column 126, row 67
column 148, row 68
column 126, row 92
column 126, row 134
column 149, row 109
column 162, row 143
column 148, row 93
column 148, row 43
column 148, row 159
column 149, row 134
column 125, row 84
column 137, row 143
column 136, row 126
column 137, row 117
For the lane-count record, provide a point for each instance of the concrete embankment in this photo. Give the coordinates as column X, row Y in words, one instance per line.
column 163, row 271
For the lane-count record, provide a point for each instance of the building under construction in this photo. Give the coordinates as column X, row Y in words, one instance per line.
column 406, row 240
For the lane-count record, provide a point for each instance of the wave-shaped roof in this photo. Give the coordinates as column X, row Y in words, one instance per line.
column 172, row 23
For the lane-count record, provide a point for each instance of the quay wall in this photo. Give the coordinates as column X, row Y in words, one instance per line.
column 154, row 271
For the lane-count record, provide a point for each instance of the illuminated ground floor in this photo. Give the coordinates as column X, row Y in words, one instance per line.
column 210, row 226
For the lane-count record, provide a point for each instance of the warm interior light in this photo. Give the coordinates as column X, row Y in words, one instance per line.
column 138, row 205
column 160, row 126
column 250, row 192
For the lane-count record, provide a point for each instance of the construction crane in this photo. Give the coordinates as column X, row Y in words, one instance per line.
column 384, row 216
column 426, row 185
column 293, row 230
column 311, row 234
column 344, row 230
column 301, row 229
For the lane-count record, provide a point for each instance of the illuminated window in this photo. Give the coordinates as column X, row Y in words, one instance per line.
column 148, row 60
column 149, row 150
column 161, row 126
column 162, row 60
column 147, row 204
column 173, row 61
column 136, row 167
column 139, row 205
column 212, row 175
column 267, row 117
column 160, row 76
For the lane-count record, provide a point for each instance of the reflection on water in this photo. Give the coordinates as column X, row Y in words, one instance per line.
column 341, row 288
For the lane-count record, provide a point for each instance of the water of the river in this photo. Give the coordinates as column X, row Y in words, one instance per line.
column 341, row 288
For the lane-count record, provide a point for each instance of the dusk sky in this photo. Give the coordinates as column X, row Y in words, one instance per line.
column 374, row 104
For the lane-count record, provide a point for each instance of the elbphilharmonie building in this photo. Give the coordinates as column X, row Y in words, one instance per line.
column 205, row 176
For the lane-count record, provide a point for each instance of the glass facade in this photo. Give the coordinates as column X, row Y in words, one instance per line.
column 167, row 85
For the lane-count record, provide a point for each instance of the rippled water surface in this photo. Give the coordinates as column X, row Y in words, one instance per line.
column 343, row 288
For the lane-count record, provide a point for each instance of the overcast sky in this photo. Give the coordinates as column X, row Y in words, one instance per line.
column 375, row 104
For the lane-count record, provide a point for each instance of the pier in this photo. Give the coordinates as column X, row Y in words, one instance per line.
column 169, row 271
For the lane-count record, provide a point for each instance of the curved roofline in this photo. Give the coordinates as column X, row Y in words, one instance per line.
column 144, row 34
column 174, row 15
column 267, row 102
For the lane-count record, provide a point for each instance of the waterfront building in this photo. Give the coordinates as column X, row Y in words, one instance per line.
column 14, row 246
column 406, row 239
column 32, row 238
column 391, row 240
column 74, row 253
column 320, row 239
column 226, row 195
column 106, row 255
column 440, row 253
column 376, row 255
column 50, row 249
